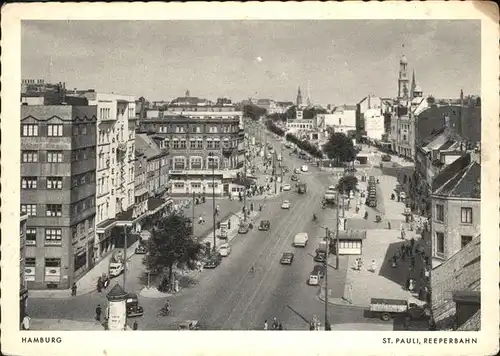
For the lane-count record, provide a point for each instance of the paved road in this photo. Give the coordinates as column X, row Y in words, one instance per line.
column 231, row 297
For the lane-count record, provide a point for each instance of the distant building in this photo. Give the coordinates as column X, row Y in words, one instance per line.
column 283, row 106
column 456, row 207
column 455, row 290
column 343, row 119
column 223, row 101
column 190, row 134
column 268, row 104
column 58, row 192
column 188, row 100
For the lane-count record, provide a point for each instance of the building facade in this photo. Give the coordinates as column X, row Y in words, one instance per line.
column 456, row 207
column 58, row 192
column 141, row 192
column 156, row 160
column 115, row 177
column 23, row 286
column 202, row 141
column 342, row 119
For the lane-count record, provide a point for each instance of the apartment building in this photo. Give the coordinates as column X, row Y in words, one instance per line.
column 23, row 286
column 58, row 175
column 456, row 207
column 202, row 141
column 141, row 182
column 115, row 176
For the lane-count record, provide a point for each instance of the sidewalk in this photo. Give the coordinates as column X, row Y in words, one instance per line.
column 385, row 282
column 64, row 325
column 87, row 283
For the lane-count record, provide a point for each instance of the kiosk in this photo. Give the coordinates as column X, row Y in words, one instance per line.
column 350, row 242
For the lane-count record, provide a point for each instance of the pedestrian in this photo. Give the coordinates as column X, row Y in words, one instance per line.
column 275, row 323
column 374, row 266
column 311, row 325
column 26, row 322
column 98, row 313
column 99, row 284
column 280, row 326
column 73, row 289
column 134, row 326
column 265, row 325
column 251, row 206
column 200, row 220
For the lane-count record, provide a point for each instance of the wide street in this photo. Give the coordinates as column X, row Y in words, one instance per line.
column 232, row 297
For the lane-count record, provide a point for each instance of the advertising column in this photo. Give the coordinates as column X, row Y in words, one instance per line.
column 117, row 309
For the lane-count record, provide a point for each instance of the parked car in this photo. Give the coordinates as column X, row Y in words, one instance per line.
column 286, row 204
column 286, row 258
column 294, row 178
column 264, row 225
column 304, row 168
column 213, row 261
column 296, row 171
column 286, row 187
column 243, row 229
column 386, row 158
column 140, row 250
column 315, row 276
column 225, row 250
column 320, row 256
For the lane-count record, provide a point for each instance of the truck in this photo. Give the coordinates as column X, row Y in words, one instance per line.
column 116, row 265
column 387, row 309
column 301, row 188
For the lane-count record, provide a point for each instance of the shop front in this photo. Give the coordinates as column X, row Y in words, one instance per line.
column 350, row 242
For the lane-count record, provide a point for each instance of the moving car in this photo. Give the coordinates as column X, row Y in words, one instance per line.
column 286, row 187
column 225, row 250
column 286, row 258
column 140, row 250
column 300, row 239
column 243, row 229
column 386, row 158
column 301, row 188
column 286, row 204
column 294, row 178
column 320, row 256
column 133, row 307
column 304, row 168
column 296, row 171
column 213, row 261
column 264, row 225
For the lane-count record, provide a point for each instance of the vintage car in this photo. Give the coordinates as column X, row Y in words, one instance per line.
column 294, row 178
column 213, row 261
column 320, row 256
column 286, row 187
column 286, row 258
column 133, row 307
column 386, row 158
column 264, row 225
column 243, row 228
column 140, row 250
column 189, row 325
column 286, row 204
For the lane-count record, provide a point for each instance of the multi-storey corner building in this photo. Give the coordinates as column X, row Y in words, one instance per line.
column 23, row 286
column 58, row 175
column 456, row 207
column 204, row 142
column 156, row 160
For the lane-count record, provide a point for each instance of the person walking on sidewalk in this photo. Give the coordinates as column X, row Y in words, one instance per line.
column 98, row 313
column 265, row 325
column 73, row 289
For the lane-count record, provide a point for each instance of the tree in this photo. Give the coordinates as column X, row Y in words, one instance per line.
column 310, row 113
column 340, row 148
column 431, row 100
column 254, row 112
column 347, row 184
column 291, row 113
column 274, row 129
column 172, row 244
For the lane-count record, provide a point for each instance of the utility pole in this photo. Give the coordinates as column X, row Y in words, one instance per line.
column 337, row 235
column 245, row 184
column 274, row 173
column 213, row 196
column 326, row 277
column 125, row 257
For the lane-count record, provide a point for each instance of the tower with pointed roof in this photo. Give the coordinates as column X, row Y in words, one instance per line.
column 299, row 97
column 308, row 100
column 403, row 80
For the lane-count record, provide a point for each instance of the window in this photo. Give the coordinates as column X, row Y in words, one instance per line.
column 54, row 156
column 439, row 212
column 210, row 144
column 29, row 269
column 29, row 209
column 166, row 143
column 83, row 129
column 217, row 145
column 179, row 163
column 199, row 144
column 52, row 269
column 55, row 130
column 466, row 215
column 212, row 162
column 192, row 144
column 80, row 261
column 176, row 144
column 30, row 130
column 465, row 240
column 29, row 182
column 54, row 210
column 178, row 185
column 439, row 243
column 30, row 156
column 54, row 182
column 31, row 236
column 196, row 162
column 183, row 144
column 53, row 236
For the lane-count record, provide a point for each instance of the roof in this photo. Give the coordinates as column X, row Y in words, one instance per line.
column 145, row 144
column 116, row 293
column 187, row 100
column 462, row 182
column 285, row 103
column 352, row 235
column 417, row 89
column 436, row 141
column 448, row 144
column 461, row 272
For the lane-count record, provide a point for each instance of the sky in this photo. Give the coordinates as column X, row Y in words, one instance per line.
column 341, row 61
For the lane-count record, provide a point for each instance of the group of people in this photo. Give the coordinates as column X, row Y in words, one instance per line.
column 276, row 325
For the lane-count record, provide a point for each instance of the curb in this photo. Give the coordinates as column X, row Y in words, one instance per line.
column 340, row 302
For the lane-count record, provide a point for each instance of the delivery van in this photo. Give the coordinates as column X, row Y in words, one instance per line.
column 300, row 239
column 316, row 275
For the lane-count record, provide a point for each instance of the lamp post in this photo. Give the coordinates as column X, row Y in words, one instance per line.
column 125, row 225
column 212, row 156
column 327, row 237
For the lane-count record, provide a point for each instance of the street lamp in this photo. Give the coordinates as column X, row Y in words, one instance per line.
column 125, row 225
column 212, row 156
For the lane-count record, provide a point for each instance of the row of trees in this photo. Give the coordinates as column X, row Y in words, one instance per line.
column 305, row 146
column 253, row 111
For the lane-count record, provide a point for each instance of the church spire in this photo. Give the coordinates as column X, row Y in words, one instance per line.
column 299, row 97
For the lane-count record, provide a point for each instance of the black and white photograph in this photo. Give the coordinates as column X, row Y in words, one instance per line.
column 252, row 174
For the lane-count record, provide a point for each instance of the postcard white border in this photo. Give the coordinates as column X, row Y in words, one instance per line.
column 251, row 343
